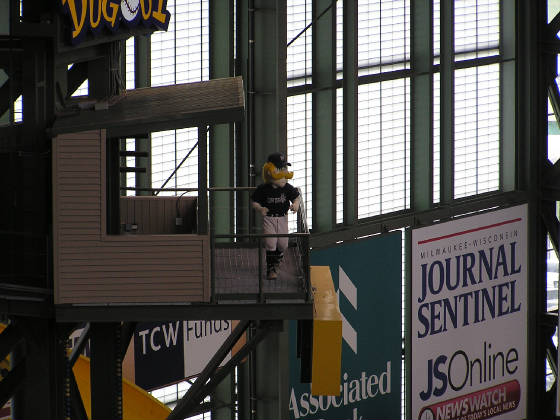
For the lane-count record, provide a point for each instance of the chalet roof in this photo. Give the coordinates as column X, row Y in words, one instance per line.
column 139, row 111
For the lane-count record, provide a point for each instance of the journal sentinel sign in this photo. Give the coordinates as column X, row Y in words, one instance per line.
column 367, row 277
column 469, row 308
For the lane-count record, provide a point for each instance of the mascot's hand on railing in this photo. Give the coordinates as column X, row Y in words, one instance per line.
column 295, row 205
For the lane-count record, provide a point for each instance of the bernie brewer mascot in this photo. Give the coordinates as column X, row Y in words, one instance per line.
column 273, row 199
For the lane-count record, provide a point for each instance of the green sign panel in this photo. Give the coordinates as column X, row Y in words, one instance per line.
column 367, row 277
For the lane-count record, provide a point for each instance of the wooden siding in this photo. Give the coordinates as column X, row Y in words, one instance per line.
column 91, row 267
column 158, row 214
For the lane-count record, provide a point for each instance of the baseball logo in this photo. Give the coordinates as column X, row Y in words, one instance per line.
column 129, row 9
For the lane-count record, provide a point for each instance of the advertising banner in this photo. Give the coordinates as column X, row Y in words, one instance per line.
column 168, row 352
column 469, row 317
column 98, row 16
column 367, row 275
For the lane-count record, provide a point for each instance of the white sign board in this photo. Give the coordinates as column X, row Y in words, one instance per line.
column 469, row 317
column 201, row 340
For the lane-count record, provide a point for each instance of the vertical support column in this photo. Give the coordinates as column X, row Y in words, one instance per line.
column 221, row 144
column 41, row 395
column 269, row 74
column 447, row 150
column 350, row 106
column 105, row 371
column 508, row 93
column 532, row 126
column 202, row 181
column 113, row 179
column 244, row 171
column 221, row 157
column 142, row 78
column 324, row 116
column 5, row 18
column 98, row 75
column 272, row 371
column 4, row 30
column 422, row 101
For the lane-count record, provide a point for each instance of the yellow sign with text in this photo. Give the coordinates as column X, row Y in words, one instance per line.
column 95, row 15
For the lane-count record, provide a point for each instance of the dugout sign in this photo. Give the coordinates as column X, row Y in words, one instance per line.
column 469, row 309
column 95, row 15
column 367, row 277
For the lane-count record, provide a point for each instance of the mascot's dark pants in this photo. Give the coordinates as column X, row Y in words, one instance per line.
column 275, row 247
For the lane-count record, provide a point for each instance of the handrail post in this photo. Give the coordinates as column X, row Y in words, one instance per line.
column 261, row 297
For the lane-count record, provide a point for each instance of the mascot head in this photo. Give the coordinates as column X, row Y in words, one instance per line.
column 275, row 170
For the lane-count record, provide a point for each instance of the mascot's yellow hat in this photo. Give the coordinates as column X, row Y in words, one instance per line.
column 275, row 168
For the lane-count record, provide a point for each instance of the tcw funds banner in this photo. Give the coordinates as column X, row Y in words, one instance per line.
column 367, row 275
column 469, row 317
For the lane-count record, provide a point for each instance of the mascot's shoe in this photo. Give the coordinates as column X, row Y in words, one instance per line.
column 272, row 274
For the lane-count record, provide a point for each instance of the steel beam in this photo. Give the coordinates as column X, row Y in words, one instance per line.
column 80, row 345
column 8, row 339
column 509, row 148
column 142, row 78
column 12, row 382
column 384, row 223
column 105, row 371
column 221, row 141
column 446, row 115
column 104, row 313
column 421, row 139
column 323, row 171
column 269, row 77
column 195, row 394
column 350, row 113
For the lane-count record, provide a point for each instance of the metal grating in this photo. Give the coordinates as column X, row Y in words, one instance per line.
column 477, row 28
column 477, row 130
column 236, row 272
column 299, row 149
column 298, row 53
column 339, row 156
column 339, row 39
column 383, row 147
column 177, row 56
column 436, row 138
column 129, row 63
column 383, row 36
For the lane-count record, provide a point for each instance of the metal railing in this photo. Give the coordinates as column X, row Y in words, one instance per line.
column 250, row 239
column 301, row 237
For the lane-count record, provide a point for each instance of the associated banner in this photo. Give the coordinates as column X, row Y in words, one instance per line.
column 469, row 318
column 168, row 352
column 367, row 275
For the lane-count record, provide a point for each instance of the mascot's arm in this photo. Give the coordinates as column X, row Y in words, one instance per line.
column 262, row 210
column 295, row 204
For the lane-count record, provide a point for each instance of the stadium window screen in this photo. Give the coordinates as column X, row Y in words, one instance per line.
column 436, row 138
column 18, row 109
column 383, row 36
column 299, row 149
column 298, row 53
column 477, row 130
column 477, row 25
column 339, row 157
column 476, row 99
column 179, row 55
column 339, row 39
column 129, row 63
column 83, row 89
column 383, row 147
